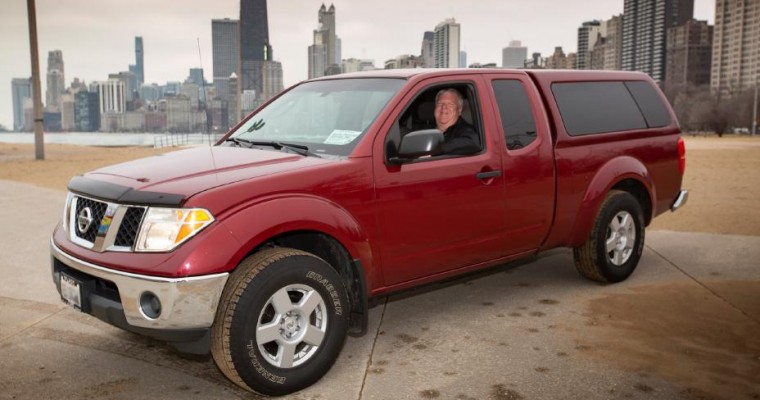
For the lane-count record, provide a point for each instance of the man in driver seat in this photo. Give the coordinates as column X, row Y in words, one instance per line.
column 459, row 136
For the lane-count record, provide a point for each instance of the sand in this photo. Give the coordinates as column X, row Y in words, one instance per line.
column 722, row 175
column 17, row 162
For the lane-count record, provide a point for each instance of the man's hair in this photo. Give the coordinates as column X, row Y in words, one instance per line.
column 460, row 100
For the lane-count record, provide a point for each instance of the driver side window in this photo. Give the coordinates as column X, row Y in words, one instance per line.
column 456, row 116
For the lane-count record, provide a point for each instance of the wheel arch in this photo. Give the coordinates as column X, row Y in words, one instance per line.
column 316, row 226
column 621, row 173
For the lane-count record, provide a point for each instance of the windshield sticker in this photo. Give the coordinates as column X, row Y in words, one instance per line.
column 340, row 137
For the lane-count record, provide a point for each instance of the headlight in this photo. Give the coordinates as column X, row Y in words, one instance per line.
column 67, row 212
column 163, row 229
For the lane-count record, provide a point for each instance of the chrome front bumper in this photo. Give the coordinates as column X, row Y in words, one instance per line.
column 186, row 303
column 680, row 200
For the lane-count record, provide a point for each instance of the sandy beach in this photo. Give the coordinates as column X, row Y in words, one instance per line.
column 722, row 174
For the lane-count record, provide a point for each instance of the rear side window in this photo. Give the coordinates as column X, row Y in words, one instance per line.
column 516, row 114
column 650, row 103
column 597, row 107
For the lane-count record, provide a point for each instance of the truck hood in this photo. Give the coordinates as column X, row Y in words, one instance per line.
column 187, row 172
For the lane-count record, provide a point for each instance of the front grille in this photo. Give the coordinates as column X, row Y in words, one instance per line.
column 97, row 210
column 113, row 227
column 129, row 226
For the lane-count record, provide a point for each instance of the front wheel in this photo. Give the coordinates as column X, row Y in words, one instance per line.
column 613, row 249
column 281, row 322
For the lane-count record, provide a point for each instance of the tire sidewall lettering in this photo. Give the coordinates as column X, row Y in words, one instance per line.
column 252, row 349
column 263, row 275
column 333, row 294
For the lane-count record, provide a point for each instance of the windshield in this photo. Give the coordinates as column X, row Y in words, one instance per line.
column 329, row 117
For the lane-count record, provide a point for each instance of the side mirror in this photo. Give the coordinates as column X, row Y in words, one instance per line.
column 417, row 144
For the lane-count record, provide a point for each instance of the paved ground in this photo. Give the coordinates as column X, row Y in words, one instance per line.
column 683, row 326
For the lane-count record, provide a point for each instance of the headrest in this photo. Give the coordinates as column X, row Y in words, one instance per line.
column 426, row 111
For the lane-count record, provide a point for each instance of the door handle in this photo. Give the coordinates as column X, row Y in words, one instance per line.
column 488, row 174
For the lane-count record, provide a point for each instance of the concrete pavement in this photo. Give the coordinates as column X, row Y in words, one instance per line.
column 523, row 331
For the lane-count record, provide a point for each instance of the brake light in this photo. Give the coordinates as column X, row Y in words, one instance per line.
column 681, row 156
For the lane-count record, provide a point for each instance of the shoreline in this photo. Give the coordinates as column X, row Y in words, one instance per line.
column 110, row 139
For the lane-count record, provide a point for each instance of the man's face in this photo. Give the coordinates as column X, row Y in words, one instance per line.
column 446, row 111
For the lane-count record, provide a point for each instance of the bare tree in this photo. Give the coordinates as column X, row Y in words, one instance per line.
column 700, row 109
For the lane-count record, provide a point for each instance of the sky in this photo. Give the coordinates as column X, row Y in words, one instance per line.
column 97, row 37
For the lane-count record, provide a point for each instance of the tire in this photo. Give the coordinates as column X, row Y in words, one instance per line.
column 281, row 322
column 614, row 246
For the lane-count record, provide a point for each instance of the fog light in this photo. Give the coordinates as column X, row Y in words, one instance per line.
column 150, row 305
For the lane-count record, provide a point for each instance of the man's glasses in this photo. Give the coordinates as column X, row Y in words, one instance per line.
column 446, row 105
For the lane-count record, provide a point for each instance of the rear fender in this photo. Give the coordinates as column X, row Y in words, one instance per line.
column 610, row 174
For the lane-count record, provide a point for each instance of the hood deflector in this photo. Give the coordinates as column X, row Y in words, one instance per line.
column 122, row 194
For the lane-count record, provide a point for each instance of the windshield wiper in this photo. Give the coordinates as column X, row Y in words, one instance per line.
column 239, row 141
column 296, row 148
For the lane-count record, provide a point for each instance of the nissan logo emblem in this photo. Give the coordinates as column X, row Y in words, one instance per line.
column 84, row 220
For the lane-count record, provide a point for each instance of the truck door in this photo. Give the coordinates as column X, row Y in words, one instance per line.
column 528, row 161
column 437, row 213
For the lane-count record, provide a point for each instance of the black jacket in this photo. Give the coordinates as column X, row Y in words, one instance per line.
column 461, row 138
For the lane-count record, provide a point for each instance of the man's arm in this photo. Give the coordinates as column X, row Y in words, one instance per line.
column 464, row 140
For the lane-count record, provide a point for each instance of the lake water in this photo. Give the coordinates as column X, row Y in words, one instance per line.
column 113, row 139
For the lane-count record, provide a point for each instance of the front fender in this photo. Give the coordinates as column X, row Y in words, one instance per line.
column 276, row 215
column 607, row 176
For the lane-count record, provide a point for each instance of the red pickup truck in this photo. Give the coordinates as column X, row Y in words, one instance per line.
column 265, row 248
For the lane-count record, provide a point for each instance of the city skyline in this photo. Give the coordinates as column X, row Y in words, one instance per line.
column 85, row 31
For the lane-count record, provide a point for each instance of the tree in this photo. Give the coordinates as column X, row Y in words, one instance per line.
column 700, row 109
column 740, row 115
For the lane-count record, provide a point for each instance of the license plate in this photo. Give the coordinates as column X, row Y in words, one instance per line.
column 71, row 292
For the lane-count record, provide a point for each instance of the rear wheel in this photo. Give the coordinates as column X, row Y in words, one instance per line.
column 613, row 249
column 281, row 322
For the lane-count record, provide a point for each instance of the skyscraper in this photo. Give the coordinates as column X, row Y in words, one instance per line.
column 254, row 43
column 56, row 81
column 139, row 67
column 225, row 34
column 588, row 33
column 427, row 49
column 233, row 105
column 736, row 46
column 272, row 79
column 446, row 44
column 67, row 112
column 689, row 51
column 225, row 39
column 514, row 55
column 327, row 25
column 130, row 85
column 611, row 45
column 21, row 89
column 111, row 95
column 560, row 60
column 324, row 52
column 317, row 58
column 86, row 111
column 196, row 76
column 645, row 24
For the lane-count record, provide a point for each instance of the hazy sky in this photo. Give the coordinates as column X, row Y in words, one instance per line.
column 97, row 37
